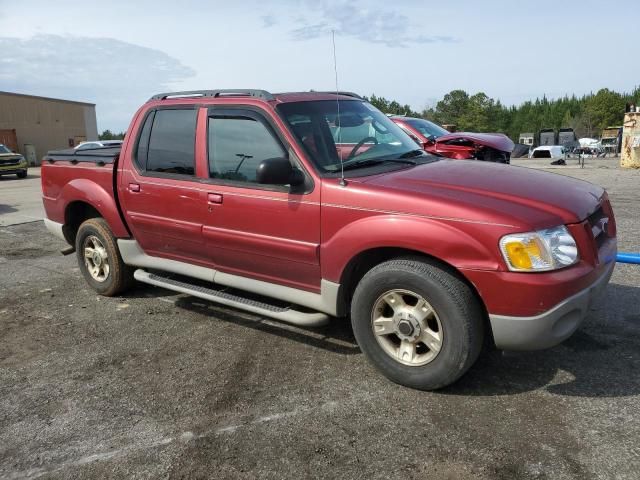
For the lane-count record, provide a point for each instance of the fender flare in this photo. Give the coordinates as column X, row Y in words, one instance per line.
column 87, row 191
column 437, row 238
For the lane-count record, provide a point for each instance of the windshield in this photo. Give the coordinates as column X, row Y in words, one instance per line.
column 87, row 146
column 4, row 149
column 426, row 128
column 361, row 135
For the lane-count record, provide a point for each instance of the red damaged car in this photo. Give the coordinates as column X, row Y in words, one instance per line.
column 490, row 147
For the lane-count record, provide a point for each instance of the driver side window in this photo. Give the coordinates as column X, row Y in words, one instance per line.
column 237, row 145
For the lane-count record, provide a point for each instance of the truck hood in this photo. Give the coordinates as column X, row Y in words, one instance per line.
column 494, row 140
column 487, row 191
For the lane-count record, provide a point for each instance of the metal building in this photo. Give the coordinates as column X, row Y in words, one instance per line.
column 547, row 137
column 34, row 125
column 567, row 137
column 526, row 139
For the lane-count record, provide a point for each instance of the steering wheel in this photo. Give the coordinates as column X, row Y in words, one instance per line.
column 359, row 145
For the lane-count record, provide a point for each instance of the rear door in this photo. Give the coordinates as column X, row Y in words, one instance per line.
column 162, row 199
column 266, row 232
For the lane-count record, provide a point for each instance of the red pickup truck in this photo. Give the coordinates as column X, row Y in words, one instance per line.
column 305, row 206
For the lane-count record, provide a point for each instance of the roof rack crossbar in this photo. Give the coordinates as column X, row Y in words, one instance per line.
column 346, row 94
column 231, row 92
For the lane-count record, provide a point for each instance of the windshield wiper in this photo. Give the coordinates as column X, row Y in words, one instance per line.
column 367, row 162
column 412, row 153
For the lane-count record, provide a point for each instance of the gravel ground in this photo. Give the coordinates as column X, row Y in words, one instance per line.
column 159, row 385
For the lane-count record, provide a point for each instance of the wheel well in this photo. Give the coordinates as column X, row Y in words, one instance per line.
column 359, row 265
column 75, row 214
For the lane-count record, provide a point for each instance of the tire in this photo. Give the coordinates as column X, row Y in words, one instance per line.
column 22, row 174
column 446, row 340
column 110, row 275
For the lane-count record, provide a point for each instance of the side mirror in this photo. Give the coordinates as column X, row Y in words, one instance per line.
column 278, row 171
column 420, row 143
column 431, row 140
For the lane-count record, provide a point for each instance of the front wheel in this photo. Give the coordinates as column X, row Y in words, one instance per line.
column 99, row 258
column 22, row 174
column 419, row 324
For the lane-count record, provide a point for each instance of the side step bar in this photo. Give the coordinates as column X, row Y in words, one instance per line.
column 284, row 314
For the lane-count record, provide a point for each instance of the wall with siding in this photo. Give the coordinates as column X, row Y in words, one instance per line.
column 47, row 123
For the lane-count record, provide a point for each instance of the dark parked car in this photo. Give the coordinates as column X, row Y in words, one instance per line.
column 12, row 163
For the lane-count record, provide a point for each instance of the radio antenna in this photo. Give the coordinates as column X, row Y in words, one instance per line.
column 343, row 182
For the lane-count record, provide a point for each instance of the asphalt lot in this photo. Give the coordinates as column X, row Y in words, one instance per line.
column 160, row 385
column 19, row 200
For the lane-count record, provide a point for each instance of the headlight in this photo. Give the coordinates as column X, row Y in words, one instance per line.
column 539, row 251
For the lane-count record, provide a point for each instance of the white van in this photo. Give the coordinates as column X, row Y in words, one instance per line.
column 548, row 151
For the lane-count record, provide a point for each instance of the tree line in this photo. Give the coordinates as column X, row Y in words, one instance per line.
column 109, row 135
column 587, row 115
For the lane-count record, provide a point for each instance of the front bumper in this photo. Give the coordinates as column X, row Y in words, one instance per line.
column 551, row 327
column 14, row 168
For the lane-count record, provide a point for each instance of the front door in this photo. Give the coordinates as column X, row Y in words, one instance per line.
column 163, row 202
column 264, row 232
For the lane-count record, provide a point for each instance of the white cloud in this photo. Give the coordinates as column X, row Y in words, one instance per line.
column 268, row 21
column 369, row 24
column 115, row 75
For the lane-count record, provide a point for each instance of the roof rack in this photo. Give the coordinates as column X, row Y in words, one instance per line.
column 346, row 94
column 232, row 92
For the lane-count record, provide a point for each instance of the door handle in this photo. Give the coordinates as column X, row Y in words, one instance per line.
column 214, row 198
column 134, row 187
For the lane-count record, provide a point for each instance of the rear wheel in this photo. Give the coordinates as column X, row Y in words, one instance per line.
column 419, row 324
column 99, row 258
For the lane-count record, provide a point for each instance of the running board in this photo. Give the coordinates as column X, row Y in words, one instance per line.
column 284, row 314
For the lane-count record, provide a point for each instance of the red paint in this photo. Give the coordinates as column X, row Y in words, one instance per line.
column 63, row 184
column 454, row 211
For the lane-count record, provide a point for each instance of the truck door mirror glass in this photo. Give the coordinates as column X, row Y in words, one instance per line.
column 278, row 171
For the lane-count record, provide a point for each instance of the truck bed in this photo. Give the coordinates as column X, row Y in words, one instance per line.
column 101, row 155
column 81, row 177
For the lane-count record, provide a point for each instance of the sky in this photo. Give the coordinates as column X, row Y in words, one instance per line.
column 119, row 53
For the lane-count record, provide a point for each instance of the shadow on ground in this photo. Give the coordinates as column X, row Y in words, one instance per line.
column 8, row 177
column 600, row 360
column 335, row 337
column 7, row 208
column 589, row 364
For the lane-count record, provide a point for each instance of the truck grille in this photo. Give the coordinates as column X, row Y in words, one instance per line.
column 10, row 161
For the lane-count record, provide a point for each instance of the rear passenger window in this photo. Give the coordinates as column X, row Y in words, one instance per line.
column 237, row 145
column 172, row 142
column 143, row 143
